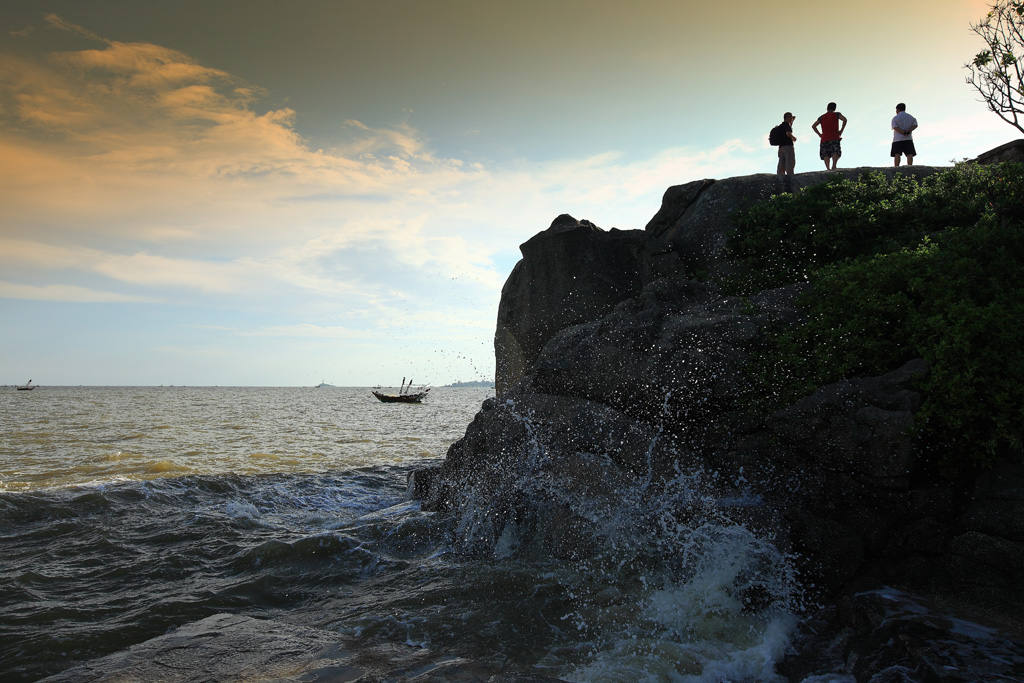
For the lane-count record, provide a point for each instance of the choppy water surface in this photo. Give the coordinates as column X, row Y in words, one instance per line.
column 61, row 436
column 125, row 512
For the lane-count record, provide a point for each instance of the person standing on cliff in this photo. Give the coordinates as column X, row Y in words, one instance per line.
column 903, row 124
column 831, row 133
column 787, row 153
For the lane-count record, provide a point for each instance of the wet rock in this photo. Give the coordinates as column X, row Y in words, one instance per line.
column 997, row 502
column 528, row 460
column 986, row 568
column 420, row 481
column 886, row 635
column 863, row 427
column 986, row 559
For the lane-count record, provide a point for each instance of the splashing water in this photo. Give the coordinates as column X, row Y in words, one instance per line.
column 574, row 567
column 661, row 580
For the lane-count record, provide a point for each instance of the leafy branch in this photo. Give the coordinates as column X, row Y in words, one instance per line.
column 996, row 73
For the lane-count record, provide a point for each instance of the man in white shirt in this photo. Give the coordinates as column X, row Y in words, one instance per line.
column 903, row 124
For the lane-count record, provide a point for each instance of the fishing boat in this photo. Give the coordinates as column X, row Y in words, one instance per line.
column 404, row 395
column 401, row 398
column 27, row 386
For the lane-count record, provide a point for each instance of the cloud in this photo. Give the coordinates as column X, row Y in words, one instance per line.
column 56, row 22
column 148, row 270
column 67, row 293
column 178, row 183
column 312, row 331
column 365, row 142
column 136, row 270
column 126, row 66
column 134, row 174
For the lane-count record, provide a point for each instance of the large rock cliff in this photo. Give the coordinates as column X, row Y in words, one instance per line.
column 620, row 368
column 574, row 272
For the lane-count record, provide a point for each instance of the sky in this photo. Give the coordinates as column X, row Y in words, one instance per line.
column 262, row 193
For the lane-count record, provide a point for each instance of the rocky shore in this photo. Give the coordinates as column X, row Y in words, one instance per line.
column 622, row 394
column 619, row 358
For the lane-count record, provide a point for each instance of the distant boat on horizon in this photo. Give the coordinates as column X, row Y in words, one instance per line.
column 324, row 385
column 27, row 386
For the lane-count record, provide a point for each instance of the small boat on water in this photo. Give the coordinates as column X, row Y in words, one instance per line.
column 404, row 395
column 27, row 386
column 401, row 398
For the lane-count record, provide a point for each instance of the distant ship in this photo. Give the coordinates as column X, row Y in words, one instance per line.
column 324, row 385
column 25, row 387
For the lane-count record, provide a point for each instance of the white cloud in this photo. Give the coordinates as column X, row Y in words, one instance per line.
column 134, row 174
column 311, row 331
column 138, row 269
column 148, row 270
column 67, row 293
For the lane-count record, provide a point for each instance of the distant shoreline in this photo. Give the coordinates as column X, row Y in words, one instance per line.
column 456, row 385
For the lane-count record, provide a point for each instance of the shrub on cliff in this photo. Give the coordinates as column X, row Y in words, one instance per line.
column 932, row 269
column 788, row 237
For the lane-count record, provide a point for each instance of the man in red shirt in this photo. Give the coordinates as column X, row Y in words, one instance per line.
column 831, row 133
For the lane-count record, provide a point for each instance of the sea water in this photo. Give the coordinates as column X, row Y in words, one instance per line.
column 128, row 511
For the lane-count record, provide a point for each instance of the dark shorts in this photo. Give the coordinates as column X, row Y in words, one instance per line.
column 903, row 147
column 829, row 149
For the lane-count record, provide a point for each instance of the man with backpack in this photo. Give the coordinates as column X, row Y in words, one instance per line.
column 782, row 137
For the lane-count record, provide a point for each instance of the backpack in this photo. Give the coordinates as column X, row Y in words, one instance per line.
column 777, row 136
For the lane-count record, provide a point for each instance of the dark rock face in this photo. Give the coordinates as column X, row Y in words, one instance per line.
column 615, row 366
column 851, row 495
column 647, row 346
column 694, row 218
column 986, row 560
column 886, row 635
column 859, row 429
column 570, row 273
column 511, row 467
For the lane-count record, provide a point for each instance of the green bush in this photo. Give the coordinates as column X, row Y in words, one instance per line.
column 934, row 270
column 790, row 236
